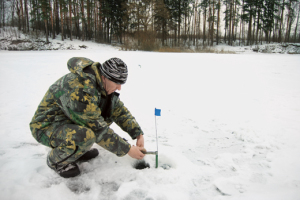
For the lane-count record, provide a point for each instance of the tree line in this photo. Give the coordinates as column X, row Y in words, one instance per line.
column 169, row 22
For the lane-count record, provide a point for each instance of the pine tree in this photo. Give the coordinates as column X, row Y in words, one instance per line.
column 45, row 7
column 249, row 12
column 269, row 12
column 161, row 18
column 204, row 6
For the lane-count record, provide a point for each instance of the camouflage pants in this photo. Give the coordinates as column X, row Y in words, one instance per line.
column 69, row 142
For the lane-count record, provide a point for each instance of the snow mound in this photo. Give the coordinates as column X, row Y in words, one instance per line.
column 290, row 48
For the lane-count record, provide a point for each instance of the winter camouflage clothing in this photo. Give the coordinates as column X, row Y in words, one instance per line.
column 76, row 112
column 69, row 143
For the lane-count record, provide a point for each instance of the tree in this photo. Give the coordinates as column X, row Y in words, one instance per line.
column 295, row 34
column 269, row 10
column 218, row 7
column 291, row 5
column 249, row 11
column 177, row 10
column 61, row 11
column 70, row 19
column 52, row 20
column 2, row 15
column 204, row 5
column 45, row 7
column 161, row 18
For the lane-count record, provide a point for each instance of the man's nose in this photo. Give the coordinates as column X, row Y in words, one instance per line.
column 119, row 87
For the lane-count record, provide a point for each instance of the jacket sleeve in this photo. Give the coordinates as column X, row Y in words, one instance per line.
column 82, row 108
column 124, row 119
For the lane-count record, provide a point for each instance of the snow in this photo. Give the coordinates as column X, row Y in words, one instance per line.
column 229, row 129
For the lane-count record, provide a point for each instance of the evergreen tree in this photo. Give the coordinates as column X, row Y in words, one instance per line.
column 249, row 10
column 269, row 12
column 161, row 19
column 178, row 9
column 45, row 8
column 204, row 6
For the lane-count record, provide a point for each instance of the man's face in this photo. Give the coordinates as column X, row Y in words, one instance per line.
column 110, row 86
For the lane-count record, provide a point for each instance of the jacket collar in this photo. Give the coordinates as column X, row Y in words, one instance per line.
column 95, row 68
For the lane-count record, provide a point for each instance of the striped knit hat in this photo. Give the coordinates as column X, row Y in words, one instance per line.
column 115, row 70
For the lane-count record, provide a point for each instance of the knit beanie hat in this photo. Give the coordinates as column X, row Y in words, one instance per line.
column 115, row 70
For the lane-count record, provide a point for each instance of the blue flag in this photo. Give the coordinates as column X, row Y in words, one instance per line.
column 157, row 112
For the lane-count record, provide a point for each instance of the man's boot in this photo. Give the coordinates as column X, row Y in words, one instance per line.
column 72, row 169
column 68, row 171
column 93, row 153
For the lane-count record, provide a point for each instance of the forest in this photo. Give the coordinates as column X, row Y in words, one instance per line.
column 150, row 23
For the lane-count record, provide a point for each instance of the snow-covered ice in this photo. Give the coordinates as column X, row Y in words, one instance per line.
column 229, row 129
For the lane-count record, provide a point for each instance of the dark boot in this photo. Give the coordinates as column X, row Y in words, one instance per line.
column 93, row 153
column 68, row 171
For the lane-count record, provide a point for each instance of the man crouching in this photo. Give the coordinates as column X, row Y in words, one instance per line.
column 78, row 109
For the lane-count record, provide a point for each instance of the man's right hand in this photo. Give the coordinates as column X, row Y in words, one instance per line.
column 135, row 152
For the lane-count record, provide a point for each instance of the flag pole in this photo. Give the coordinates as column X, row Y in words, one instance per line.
column 157, row 113
column 156, row 155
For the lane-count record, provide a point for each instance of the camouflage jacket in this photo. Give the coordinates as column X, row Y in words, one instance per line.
column 79, row 98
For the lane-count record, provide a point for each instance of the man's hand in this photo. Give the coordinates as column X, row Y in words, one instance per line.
column 140, row 141
column 135, row 152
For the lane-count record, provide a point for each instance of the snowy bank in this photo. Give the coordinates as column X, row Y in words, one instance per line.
column 13, row 40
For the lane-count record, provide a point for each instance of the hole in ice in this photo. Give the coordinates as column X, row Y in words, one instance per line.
column 141, row 164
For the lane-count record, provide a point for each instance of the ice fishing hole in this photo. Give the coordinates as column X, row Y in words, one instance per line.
column 141, row 164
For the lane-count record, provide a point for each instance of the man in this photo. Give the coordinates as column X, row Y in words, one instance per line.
column 78, row 109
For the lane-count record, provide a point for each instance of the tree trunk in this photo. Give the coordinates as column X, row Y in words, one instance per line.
column 257, row 28
column 61, row 21
column 46, row 25
column 218, row 23
column 209, row 22
column 70, row 18
column 233, row 21
column 295, row 34
column 230, row 23
column 100, row 29
column 75, row 8
column 213, row 24
column 288, row 23
column 204, row 24
column 195, row 22
column 249, row 29
column 199, row 26
column 66, row 23
column 289, row 30
column 88, row 20
column 3, row 13
column 281, row 22
column 179, row 24
column 241, row 24
column 52, row 20
column 22, row 16
column 26, row 16
column 95, row 19
column 83, row 20
column 13, row 13
column 56, row 17
column 19, row 15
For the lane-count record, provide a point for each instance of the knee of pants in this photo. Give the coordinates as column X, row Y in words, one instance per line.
column 84, row 137
column 74, row 135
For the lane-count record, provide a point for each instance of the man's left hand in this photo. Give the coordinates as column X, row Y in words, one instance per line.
column 140, row 141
